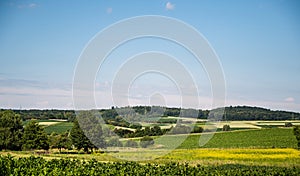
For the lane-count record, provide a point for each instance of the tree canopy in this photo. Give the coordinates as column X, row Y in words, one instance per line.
column 11, row 130
column 34, row 137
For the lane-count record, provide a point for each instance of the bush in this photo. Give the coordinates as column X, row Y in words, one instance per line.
column 288, row 124
column 131, row 143
column 226, row 128
column 181, row 129
column 146, row 141
column 297, row 135
column 197, row 129
column 114, row 142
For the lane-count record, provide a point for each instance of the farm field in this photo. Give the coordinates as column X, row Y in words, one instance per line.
column 40, row 166
column 263, row 147
column 58, row 126
column 261, row 138
column 260, row 157
column 259, row 146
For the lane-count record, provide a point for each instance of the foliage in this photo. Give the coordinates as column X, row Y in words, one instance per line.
column 288, row 124
column 181, row 129
column 78, row 138
column 40, row 166
column 114, row 142
column 147, row 131
column 131, row 143
column 146, row 141
column 197, row 129
column 112, row 117
column 60, row 141
column 296, row 132
column 256, row 113
column 226, row 128
column 11, row 130
column 34, row 137
column 46, row 114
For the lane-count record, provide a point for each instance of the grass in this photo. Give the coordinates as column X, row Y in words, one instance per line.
column 259, row 157
column 59, row 127
column 278, row 157
column 261, row 138
column 27, row 121
column 259, row 147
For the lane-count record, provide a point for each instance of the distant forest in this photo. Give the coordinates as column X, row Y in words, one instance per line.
column 231, row 113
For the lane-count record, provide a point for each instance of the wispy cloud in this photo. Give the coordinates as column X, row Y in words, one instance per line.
column 27, row 6
column 109, row 10
column 34, row 94
column 170, row 6
column 289, row 99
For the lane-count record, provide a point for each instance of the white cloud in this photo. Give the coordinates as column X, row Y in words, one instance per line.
column 109, row 10
column 170, row 6
column 30, row 6
column 289, row 99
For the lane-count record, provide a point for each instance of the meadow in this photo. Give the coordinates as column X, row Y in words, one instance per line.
column 262, row 147
column 250, row 147
column 41, row 166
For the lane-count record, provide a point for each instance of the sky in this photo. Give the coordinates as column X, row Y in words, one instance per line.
column 257, row 43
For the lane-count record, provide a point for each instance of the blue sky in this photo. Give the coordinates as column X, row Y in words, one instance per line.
column 258, row 44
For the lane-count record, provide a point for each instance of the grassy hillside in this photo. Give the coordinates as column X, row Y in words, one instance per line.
column 261, row 138
column 59, row 127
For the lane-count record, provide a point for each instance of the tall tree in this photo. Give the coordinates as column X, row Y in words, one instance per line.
column 297, row 135
column 34, row 137
column 60, row 141
column 11, row 130
column 78, row 138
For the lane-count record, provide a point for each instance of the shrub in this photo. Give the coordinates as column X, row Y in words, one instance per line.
column 297, row 135
column 131, row 143
column 114, row 142
column 288, row 124
column 226, row 128
column 197, row 129
column 146, row 141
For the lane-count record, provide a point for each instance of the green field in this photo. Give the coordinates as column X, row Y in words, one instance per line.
column 59, row 127
column 54, row 126
column 262, row 138
column 244, row 150
column 40, row 166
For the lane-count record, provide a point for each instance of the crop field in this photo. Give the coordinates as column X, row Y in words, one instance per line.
column 260, row 157
column 59, row 127
column 40, row 166
column 267, row 147
column 249, row 147
column 260, row 138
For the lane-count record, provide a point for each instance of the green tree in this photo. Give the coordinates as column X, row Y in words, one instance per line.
column 114, row 142
column 34, row 137
column 79, row 140
column 156, row 131
column 288, row 124
column 131, row 143
column 60, row 141
column 197, row 129
column 90, row 126
column 297, row 135
column 226, row 128
column 11, row 130
column 146, row 141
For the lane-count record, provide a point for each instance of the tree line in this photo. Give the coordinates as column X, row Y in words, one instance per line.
column 111, row 115
column 88, row 136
